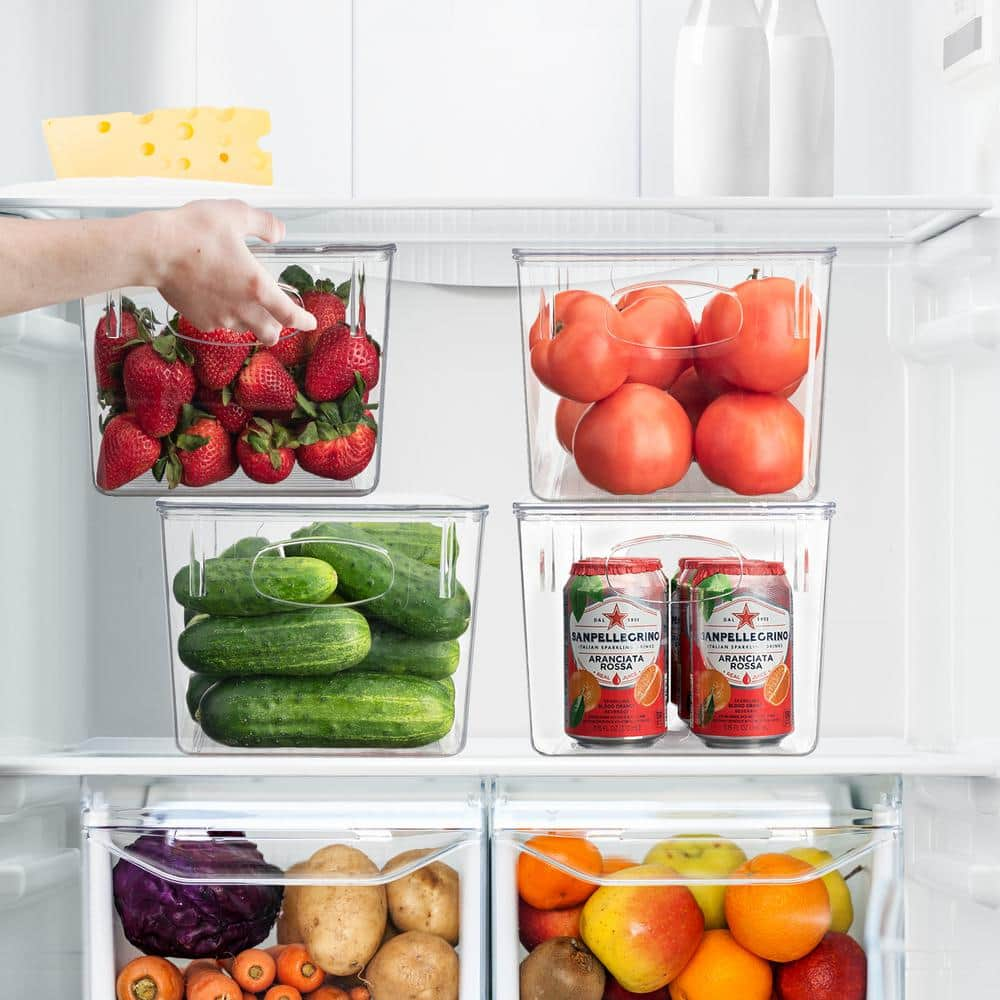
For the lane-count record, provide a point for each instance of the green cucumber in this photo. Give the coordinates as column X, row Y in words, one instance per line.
column 247, row 548
column 197, row 686
column 420, row 540
column 449, row 685
column 350, row 710
column 395, row 652
column 405, row 594
column 229, row 589
column 311, row 642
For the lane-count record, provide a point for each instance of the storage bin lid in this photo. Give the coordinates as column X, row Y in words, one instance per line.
column 813, row 509
column 388, row 506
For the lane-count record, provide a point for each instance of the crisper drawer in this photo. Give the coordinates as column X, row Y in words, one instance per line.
column 213, row 411
column 378, row 883
column 722, row 889
column 299, row 626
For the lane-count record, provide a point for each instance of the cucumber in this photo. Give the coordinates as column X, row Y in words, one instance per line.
column 230, row 591
column 412, row 602
column 449, row 685
column 247, row 548
column 315, row 642
column 349, row 710
column 197, row 686
column 395, row 652
column 420, row 540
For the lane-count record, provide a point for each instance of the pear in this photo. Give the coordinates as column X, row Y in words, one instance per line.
column 840, row 895
column 701, row 854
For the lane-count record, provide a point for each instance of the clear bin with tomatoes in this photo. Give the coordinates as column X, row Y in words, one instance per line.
column 173, row 406
column 625, row 887
column 691, row 375
column 674, row 628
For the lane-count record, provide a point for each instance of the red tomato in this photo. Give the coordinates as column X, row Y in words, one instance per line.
column 570, row 304
column 636, row 441
column 644, row 292
column 568, row 415
column 694, row 394
column 751, row 443
column 582, row 361
column 770, row 350
column 658, row 328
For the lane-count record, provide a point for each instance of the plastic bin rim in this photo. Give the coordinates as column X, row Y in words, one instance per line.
column 538, row 511
column 313, row 506
column 551, row 252
column 311, row 248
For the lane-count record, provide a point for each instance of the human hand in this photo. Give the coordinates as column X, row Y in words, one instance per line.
column 203, row 268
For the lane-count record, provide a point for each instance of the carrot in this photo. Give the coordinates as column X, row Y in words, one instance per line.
column 359, row 993
column 149, row 978
column 213, row 986
column 282, row 993
column 296, row 968
column 275, row 950
column 329, row 993
column 254, row 970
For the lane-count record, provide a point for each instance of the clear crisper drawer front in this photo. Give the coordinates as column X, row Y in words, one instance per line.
column 747, row 888
column 676, row 628
column 689, row 375
column 174, row 406
column 295, row 626
column 374, row 882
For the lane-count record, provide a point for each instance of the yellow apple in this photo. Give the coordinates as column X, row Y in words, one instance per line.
column 840, row 895
column 701, row 854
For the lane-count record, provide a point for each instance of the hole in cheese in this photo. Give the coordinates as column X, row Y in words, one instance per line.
column 226, row 140
column 104, row 126
column 147, row 149
column 146, row 118
column 185, row 130
column 183, row 162
column 227, row 115
column 224, row 157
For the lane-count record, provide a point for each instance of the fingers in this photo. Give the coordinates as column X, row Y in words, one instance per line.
column 283, row 307
column 262, row 324
column 264, row 225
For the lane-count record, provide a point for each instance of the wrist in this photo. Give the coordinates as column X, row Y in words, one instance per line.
column 145, row 241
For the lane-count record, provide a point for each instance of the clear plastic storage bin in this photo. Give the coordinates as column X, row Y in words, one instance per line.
column 688, row 374
column 191, row 395
column 745, row 886
column 674, row 629
column 295, row 625
column 373, row 881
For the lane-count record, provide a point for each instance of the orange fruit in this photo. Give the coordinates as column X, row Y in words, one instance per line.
column 612, row 865
column 649, row 686
column 721, row 969
column 711, row 682
column 778, row 922
column 583, row 682
column 545, row 887
column 778, row 684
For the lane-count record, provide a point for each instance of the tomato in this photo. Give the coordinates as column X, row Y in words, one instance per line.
column 770, row 350
column 694, row 394
column 636, row 441
column 641, row 292
column 751, row 443
column 568, row 415
column 658, row 328
column 574, row 303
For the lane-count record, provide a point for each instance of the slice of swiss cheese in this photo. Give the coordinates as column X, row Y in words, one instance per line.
column 215, row 144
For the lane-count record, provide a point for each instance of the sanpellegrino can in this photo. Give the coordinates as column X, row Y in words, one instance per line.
column 740, row 648
column 614, row 614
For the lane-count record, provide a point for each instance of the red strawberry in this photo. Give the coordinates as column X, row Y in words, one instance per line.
column 290, row 349
column 265, row 385
column 265, row 451
column 340, row 442
column 338, row 355
column 229, row 413
column 218, row 354
column 205, row 453
column 111, row 343
column 157, row 384
column 326, row 300
column 127, row 452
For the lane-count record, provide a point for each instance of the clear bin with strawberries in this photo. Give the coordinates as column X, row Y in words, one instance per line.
column 361, row 882
column 176, row 407
column 689, row 375
column 296, row 626
column 668, row 629
column 748, row 888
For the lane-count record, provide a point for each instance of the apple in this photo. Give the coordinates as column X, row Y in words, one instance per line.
column 836, row 969
column 535, row 926
column 698, row 855
column 613, row 990
column 644, row 935
column 841, row 904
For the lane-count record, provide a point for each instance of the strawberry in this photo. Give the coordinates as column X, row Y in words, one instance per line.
column 265, row 451
column 127, row 452
column 338, row 355
column 158, row 382
column 111, row 343
column 218, row 354
column 265, row 385
column 201, row 453
column 326, row 300
column 290, row 349
column 340, row 442
column 222, row 406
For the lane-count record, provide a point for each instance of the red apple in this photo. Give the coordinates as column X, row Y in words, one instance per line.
column 613, row 990
column 836, row 969
column 535, row 926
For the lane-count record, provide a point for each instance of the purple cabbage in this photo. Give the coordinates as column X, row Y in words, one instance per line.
column 177, row 920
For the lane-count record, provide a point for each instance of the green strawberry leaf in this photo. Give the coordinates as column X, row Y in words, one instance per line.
column 128, row 305
column 258, row 442
column 175, row 470
column 227, row 395
column 159, row 466
column 343, row 291
column 191, row 442
column 309, row 434
column 281, row 436
column 299, row 278
column 576, row 711
column 584, row 591
column 166, row 346
column 275, row 459
column 327, row 432
column 712, row 591
column 306, row 405
column 189, row 414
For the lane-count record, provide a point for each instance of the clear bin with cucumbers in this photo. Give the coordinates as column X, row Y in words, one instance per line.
column 300, row 626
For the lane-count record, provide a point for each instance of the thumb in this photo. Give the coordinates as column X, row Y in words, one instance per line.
column 264, row 225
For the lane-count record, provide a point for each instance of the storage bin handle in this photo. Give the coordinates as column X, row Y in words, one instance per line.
column 187, row 338
column 324, row 539
column 21, row 878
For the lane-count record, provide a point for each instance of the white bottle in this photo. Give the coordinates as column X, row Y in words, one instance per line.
column 801, row 98
column 721, row 106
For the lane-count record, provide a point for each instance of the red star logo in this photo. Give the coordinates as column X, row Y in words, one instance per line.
column 746, row 617
column 617, row 617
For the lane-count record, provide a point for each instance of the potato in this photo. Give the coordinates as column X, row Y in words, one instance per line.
column 341, row 925
column 427, row 900
column 413, row 966
column 288, row 922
